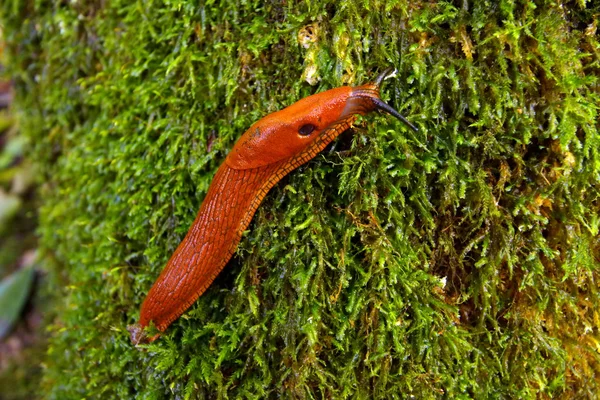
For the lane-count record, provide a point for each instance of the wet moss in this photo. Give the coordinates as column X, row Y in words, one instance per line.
column 457, row 262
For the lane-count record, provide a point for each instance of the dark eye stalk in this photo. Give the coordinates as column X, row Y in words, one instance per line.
column 380, row 105
column 372, row 93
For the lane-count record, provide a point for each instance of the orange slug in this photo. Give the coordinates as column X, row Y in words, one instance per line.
column 269, row 150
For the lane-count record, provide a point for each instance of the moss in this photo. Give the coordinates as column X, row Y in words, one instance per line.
column 458, row 262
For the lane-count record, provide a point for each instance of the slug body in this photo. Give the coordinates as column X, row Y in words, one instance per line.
column 266, row 152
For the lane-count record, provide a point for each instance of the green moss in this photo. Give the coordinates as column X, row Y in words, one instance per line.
column 461, row 261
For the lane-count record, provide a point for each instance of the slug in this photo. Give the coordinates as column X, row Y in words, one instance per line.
column 266, row 152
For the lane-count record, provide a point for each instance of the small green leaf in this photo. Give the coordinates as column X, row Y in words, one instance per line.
column 14, row 291
column 12, row 150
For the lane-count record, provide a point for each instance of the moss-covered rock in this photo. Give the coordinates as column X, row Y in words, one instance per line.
column 458, row 262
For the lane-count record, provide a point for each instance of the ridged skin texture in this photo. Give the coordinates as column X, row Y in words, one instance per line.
column 267, row 151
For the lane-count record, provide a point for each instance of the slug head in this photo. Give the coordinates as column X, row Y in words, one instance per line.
column 307, row 126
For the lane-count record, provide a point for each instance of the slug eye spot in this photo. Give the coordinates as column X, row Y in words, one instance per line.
column 306, row 129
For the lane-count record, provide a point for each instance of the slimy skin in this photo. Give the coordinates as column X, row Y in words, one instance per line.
column 266, row 152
